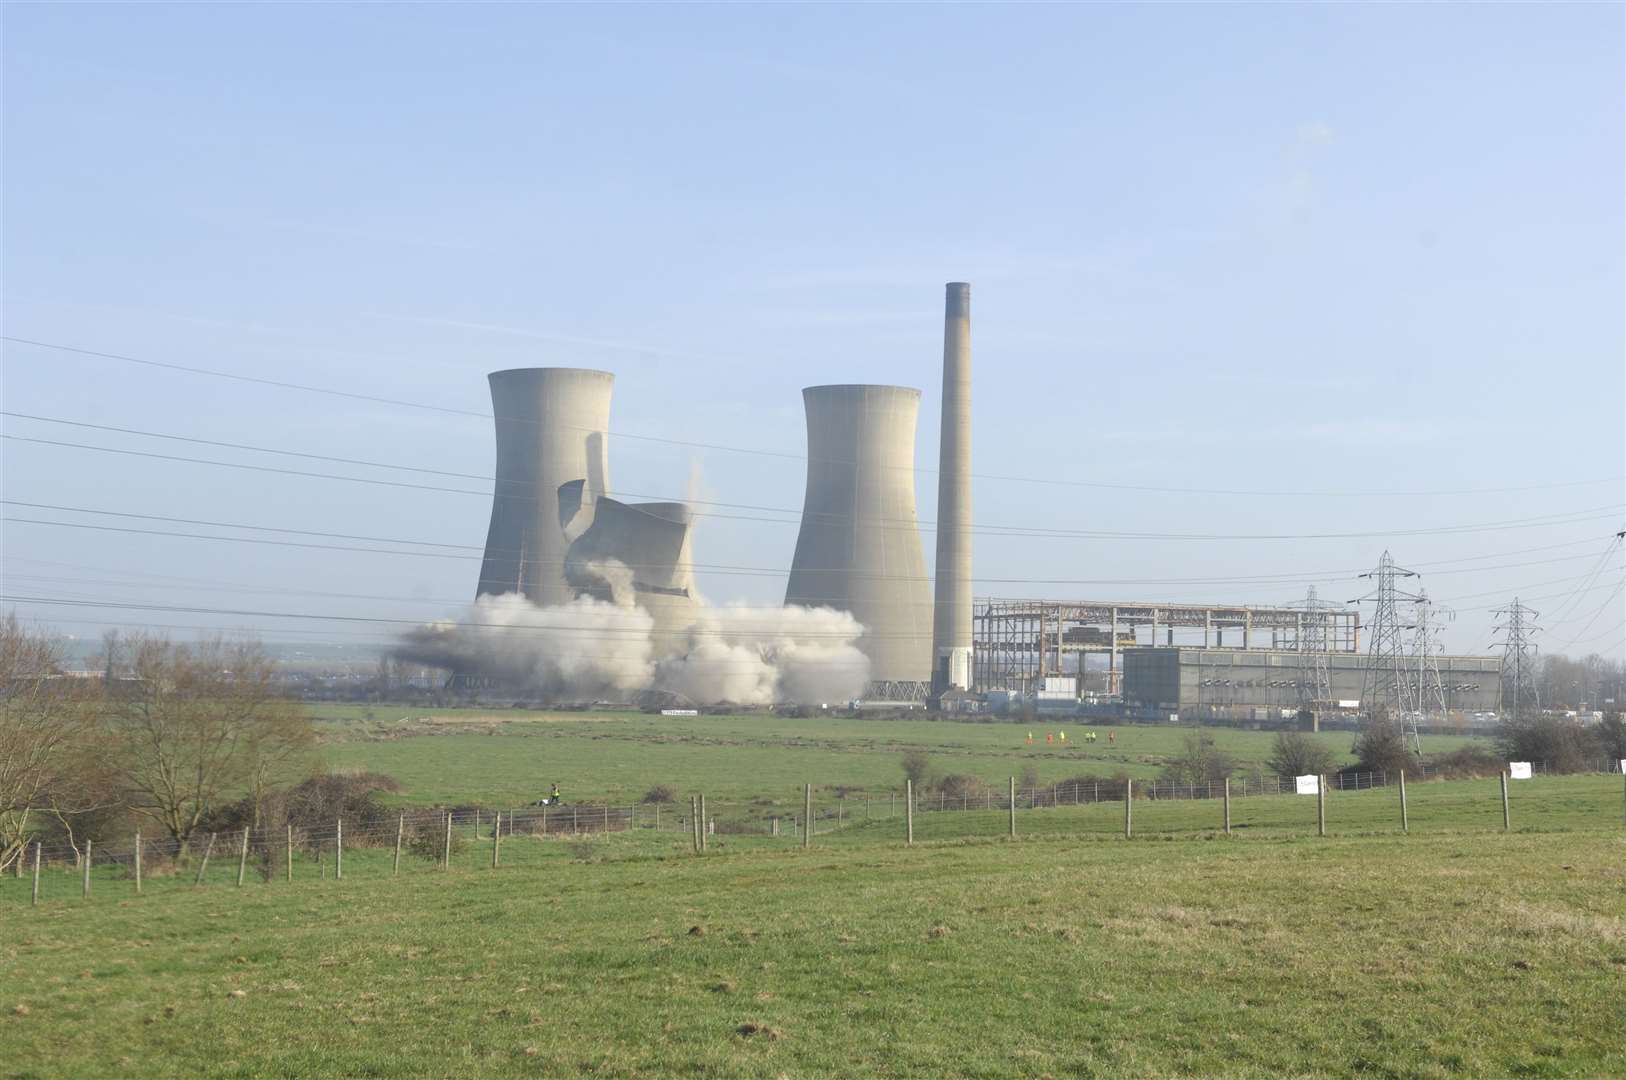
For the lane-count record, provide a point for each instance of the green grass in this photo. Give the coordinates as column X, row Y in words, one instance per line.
column 505, row 758
column 1454, row 951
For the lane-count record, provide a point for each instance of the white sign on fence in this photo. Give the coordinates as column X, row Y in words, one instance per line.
column 680, row 712
column 1307, row 785
column 1518, row 770
column 1623, row 764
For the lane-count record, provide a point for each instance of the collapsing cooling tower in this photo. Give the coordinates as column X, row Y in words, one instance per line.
column 951, row 619
column 859, row 547
column 551, row 430
column 641, row 552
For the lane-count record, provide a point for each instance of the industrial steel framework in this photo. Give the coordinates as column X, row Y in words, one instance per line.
column 1426, row 648
column 1017, row 643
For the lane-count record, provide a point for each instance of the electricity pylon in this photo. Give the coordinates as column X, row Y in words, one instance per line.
column 1426, row 648
column 1517, row 625
column 1388, row 679
column 1315, row 680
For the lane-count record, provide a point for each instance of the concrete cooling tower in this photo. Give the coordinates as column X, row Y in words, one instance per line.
column 650, row 542
column 551, row 430
column 859, row 547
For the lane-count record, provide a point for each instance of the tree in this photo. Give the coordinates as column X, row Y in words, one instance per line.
column 917, row 765
column 198, row 727
column 1198, row 762
column 1295, row 753
column 44, row 738
column 1381, row 745
column 1611, row 737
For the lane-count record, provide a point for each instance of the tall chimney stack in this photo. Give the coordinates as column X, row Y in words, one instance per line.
column 951, row 612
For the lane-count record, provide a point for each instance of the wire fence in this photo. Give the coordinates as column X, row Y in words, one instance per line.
column 393, row 842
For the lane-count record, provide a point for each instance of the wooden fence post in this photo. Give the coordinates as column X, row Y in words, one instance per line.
column 1404, row 824
column 1321, row 805
column 496, row 842
column 773, row 827
column 1013, row 807
column 545, row 821
column 1129, row 809
column 338, row 850
column 446, row 846
column 36, row 901
column 807, row 815
column 908, row 812
column 1507, row 820
column 575, row 820
column 705, row 824
column 1227, row 806
column 204, row 865
column 288, row 862
column 137, row 862
column 85, row 867
column 400, row 831
column 694, row 823
column 242, row 858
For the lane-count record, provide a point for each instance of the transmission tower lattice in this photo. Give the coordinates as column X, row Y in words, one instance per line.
column 1315, row 680
column 1517, row 625
column 1389, row 680
column 1426, row 649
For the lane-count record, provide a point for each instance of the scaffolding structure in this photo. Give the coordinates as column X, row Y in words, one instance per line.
column 1018, row 643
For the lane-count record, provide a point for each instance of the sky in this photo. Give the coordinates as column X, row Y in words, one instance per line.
column 1262, row 290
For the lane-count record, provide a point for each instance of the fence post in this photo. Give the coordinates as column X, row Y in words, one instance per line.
column 242, row 858
column 807, row 815
column 338, row 850
column 204, row 865
column 632, row 817
column 446, row 844
column 574, row 820
column 137, row 862
column 1013, row 807
column 1227, row 806
column 545, row 821
column 1623, row 790
column 1507, row 821
column 1321, row 805
column 694, row 823
column 1404, row 824
column 1129, row 809
column 496, row 841
column 85, row 866
column 657, row 816
column 400, row 828
column 705, row 824
column 908, row 812
column 866, row 807
column 36, row 901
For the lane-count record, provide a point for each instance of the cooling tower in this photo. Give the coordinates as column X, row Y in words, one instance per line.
column 859, row 546
column 650, row 541
column 551, row 430
column 951, row 611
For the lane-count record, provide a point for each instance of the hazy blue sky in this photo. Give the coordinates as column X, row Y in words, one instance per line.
column 1324, row 249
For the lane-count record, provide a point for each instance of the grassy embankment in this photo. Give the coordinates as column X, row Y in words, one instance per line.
column 1452, row 951
column 510, row 757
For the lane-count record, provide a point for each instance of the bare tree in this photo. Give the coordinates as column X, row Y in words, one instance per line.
column 44, row 737
column 1295, row 753
column 200, row 726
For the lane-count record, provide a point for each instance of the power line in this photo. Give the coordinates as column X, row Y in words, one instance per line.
column 1565, row 518
column 759, row 452
column 719, row 568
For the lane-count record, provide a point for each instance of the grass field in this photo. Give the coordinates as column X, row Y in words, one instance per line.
column 508, row 758
column 1455, row 951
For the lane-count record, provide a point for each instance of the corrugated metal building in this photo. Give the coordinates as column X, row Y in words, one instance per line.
column 1235, row 684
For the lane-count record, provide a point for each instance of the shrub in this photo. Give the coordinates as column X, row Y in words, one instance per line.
column 661, row 793
column 961, row 786
column 1381, row 745
column 1465, row 762
column 1198, row 762
column 1296, row 754
column 1561, row 742
column 917, row 765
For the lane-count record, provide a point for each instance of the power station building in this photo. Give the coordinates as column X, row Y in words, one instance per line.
column 859, row 546
column 1244, row 684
